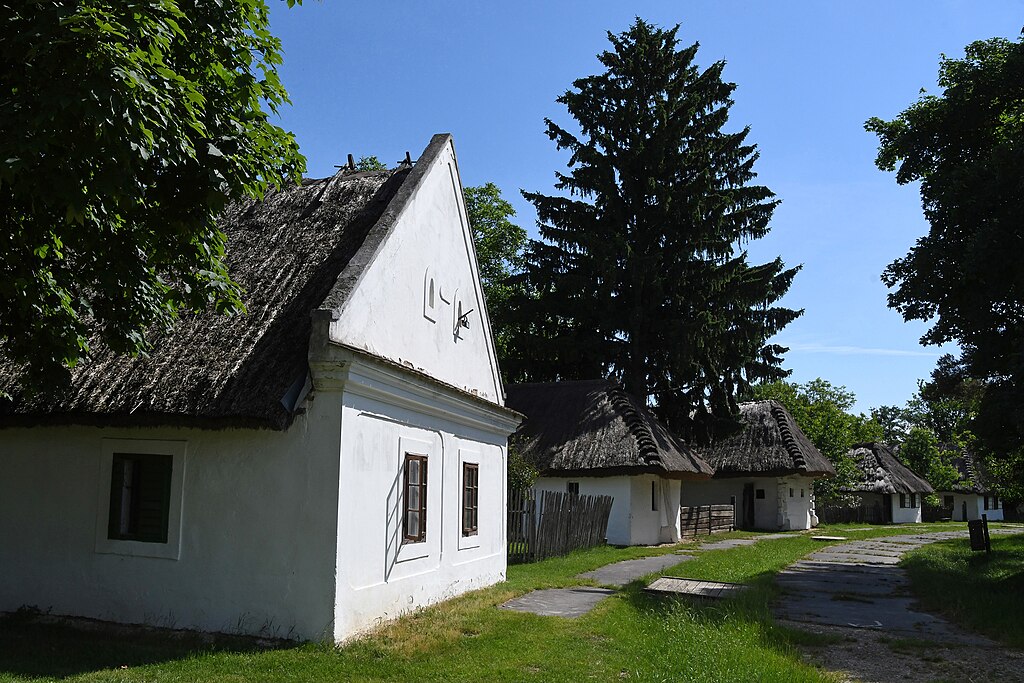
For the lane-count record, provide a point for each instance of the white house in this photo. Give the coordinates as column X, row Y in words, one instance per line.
column 592, row 438
column 972, row 495
column 889, row 490
column 766, row 470
column 333, row 458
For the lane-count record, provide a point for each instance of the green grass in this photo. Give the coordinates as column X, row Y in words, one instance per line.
column 983, row 593
column 630, row 636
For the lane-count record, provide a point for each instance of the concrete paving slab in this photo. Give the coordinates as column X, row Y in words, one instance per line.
column 559, row 602
column 621, row 573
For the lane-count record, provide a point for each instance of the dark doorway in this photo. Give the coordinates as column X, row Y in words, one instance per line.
column 886, row 508
column 748, row 507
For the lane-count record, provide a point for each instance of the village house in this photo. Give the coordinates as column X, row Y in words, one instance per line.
column 592, row 438
column 972, row 495
column 766, row 470
column 332, row 458
column 889, row 491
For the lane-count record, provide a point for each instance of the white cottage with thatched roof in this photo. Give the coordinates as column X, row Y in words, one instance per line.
column 891, row 491
column 766, row 470
column 592, row 438
column 335, row 457
column 972, row 495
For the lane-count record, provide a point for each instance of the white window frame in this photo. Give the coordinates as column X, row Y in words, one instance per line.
column 171, row 550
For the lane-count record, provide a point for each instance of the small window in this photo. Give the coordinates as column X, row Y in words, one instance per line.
column 759, row 494
column 572, row 488
column 140, row 497
column 903, row 500
column 470, row 497
column 654, row 496
column 414, row 519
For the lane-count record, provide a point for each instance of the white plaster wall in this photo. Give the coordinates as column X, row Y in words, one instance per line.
column 619, row 488
column 257, row 530
column 379, row 578
column 975, row 507
column 385, row 314
column 796, row 508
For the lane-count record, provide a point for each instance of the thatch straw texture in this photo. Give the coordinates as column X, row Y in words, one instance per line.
column 286, row 252
column 593, row 428
column 768, row 443
column 882, row 472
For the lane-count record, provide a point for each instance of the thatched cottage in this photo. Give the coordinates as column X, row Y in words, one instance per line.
column 335, row 457
column 592, row 438
column 766, row 470
column 972, row 496
column 891, row 491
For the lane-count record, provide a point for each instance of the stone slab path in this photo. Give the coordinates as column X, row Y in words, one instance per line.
column 574, row 602
column 858, row 585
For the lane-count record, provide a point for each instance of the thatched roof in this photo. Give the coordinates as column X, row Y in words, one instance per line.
column 287, row 253
column 973, row 476
column 768, row 444
column 594, row 428
column 882, row 472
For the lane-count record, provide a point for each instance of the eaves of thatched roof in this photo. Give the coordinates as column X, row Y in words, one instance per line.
column 296, row 251
column 768, row 444
column 594, row 428
column 882, row 472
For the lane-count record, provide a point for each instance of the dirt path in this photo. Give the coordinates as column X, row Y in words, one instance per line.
column 856, row 593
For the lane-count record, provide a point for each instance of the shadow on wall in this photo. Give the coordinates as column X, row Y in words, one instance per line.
column 32, row 645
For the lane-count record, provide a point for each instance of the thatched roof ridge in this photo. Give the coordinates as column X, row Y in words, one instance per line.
column 973, row 477
column 594, row 428
column 210, row 370
column 768, row 443
column 882, row 472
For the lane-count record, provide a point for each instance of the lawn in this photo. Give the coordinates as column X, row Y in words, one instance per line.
column 982, row 593
column 629, row 636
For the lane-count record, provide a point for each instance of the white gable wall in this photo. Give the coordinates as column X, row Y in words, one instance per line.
column 257, row 529
column 388, row 314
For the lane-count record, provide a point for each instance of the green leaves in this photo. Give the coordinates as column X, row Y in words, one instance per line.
column 127, row 128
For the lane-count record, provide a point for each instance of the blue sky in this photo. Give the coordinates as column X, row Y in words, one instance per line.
column 381, row 78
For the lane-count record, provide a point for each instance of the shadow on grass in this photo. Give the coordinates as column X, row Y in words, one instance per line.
column 39, row 646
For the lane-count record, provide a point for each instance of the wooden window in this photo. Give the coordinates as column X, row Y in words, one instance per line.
column 572, row 488
column 470, row 498
column 759, row 493
column 414, row 518
column 903, row 500
column 654, row 496
column 140, row 497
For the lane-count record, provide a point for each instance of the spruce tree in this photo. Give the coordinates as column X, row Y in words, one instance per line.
column 641, row 274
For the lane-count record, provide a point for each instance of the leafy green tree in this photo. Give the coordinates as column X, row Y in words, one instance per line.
column 641, row 275
column 822, row 411
column 125, row 128
column 370, row 163
column 499, row 251
column 965, row 147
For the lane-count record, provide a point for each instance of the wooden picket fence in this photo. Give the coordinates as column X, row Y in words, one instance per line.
column 550, row 523
column 704, row 520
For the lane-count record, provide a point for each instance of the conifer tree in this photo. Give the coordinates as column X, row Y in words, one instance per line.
column 641, row 274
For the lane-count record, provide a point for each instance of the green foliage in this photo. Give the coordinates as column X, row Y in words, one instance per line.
column 370, row 163
column 499, row 252
column 964, row 146
column 821, row 410
column 980, row 592
column 125, row 128
column 641, row 275
column 521, row 473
